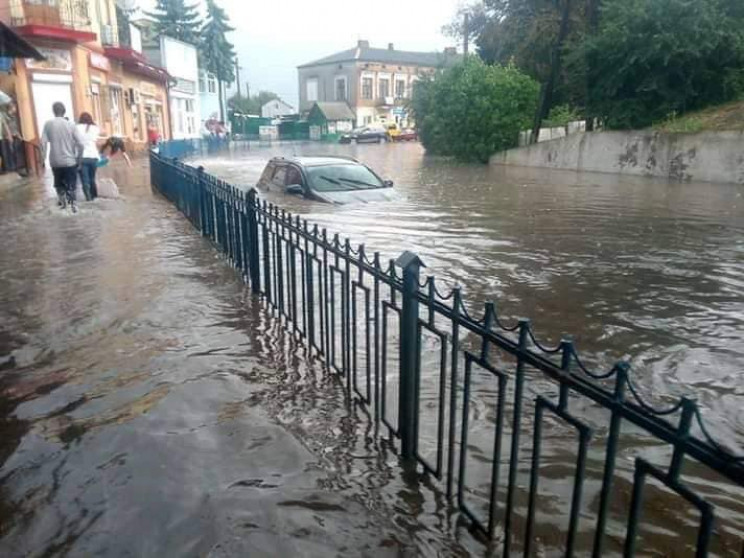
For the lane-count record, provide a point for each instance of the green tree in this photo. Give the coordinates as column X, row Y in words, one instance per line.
column 217, row 53
column 176, row 19
column 473, row 110
column 651, row 58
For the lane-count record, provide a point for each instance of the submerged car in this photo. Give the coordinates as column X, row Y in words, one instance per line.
column 327, row 179
column 366, row 134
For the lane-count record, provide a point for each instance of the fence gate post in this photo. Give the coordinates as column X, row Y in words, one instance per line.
column 407, row 398
column 253, row 263
column 201, row 194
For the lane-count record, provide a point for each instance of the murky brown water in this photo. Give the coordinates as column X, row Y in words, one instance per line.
column 150, row 406
column 641, row 269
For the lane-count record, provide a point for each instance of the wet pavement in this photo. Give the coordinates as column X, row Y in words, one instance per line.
column 149, row 406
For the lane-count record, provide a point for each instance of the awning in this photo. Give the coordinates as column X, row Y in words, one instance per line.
column 134, row 62
column 14, row 46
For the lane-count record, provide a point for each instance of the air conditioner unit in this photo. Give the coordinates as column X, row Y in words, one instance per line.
column 107, row 35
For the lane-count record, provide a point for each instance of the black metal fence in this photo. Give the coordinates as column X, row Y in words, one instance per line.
column 479, row 404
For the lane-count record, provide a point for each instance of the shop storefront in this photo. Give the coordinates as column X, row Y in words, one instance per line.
column 142, row 96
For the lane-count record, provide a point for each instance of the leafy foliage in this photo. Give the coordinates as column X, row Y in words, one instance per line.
column 652, row 58
column 175, row 18
column 472, row 110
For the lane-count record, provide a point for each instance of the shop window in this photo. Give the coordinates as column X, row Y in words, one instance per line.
column 117, row 128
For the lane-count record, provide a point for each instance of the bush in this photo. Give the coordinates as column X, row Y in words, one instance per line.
column 472, row 110
column 652, row 58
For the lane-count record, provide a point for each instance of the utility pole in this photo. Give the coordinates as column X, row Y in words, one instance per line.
column 247, row 90
column 237, row 74
column 465, row 33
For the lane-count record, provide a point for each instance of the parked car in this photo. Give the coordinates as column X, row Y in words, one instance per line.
column 366, row 134
column 408, row 134
column 327, row 179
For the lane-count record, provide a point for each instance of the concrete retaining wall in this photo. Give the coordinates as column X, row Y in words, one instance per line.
column 705, row 157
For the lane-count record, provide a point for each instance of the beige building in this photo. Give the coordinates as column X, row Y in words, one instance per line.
column 87, row 68
column 375, row 82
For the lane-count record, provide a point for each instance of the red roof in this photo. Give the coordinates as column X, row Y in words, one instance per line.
column 136, row 63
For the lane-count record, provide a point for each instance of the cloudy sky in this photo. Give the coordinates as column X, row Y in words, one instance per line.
column 274, row 36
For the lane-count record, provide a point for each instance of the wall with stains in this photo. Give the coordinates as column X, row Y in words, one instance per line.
column 703, row 157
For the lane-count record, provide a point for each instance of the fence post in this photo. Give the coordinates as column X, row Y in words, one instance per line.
column 253, row 263
column 407, row 397
column 202, row 204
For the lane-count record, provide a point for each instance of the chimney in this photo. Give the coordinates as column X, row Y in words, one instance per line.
column 362, row 44
column 450, row 51
column 390, row 46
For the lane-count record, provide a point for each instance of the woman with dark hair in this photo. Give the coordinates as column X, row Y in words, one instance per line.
column 114, row 145
column 89, row 132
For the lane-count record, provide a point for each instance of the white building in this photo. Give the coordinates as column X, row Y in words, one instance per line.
column 180, row 61
column 276, row 108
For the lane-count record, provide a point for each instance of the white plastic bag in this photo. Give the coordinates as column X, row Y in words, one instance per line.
column 107, row 188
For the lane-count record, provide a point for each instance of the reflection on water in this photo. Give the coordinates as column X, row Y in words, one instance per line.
column 640, row 269
column 630, row 267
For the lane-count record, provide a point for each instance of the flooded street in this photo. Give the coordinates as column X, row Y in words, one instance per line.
column 151, row 406
column 632, row 268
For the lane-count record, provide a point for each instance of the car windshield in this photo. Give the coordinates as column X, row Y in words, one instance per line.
column 358, row 130
column 340, row 178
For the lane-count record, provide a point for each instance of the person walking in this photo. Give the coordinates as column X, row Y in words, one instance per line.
column 65, row 148
column 89, row 133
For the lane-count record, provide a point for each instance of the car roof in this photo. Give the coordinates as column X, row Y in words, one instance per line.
column 317, row 161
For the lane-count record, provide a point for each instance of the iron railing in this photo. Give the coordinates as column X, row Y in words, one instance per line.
column 71, row 14
column 481, row 405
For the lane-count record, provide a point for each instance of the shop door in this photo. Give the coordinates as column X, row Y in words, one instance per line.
column 45, row 95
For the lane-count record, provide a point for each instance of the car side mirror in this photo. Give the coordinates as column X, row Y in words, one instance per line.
column 388, row 183
column 295, row 189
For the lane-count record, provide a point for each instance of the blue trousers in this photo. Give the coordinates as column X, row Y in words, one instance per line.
column 88, row 178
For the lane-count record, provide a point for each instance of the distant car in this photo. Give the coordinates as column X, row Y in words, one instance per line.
column 326, row 179
column 407, row 134
column 367, row 134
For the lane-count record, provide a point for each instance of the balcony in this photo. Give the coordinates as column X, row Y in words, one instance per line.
column 64, row 20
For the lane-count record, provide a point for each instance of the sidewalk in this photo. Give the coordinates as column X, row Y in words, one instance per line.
column 150, row 406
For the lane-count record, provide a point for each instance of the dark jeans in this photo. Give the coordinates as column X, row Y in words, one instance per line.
column 65, row 181
column 88, row 178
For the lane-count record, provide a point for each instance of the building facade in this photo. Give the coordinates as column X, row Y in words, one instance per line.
column 179, row 60
column 375, row 82
column 80, row 41
column 276, row 108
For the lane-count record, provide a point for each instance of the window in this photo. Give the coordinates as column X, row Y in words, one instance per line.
column 202, row 83
column 311, row 89
column 95, row 97
column 341, row 88
column 279, row 176
column 366, row 88
column 384, row 87
column 400, row 88
column 341, row 178
column 293, row 176
column 367, row 120
column 211, row 83
column 116, row 111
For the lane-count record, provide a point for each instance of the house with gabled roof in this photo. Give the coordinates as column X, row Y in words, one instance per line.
column 376, row 83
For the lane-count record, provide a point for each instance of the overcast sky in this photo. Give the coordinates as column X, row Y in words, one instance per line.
column 273, row 37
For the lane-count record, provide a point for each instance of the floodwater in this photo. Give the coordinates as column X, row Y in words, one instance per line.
column 639, row 269
column 150, row 406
